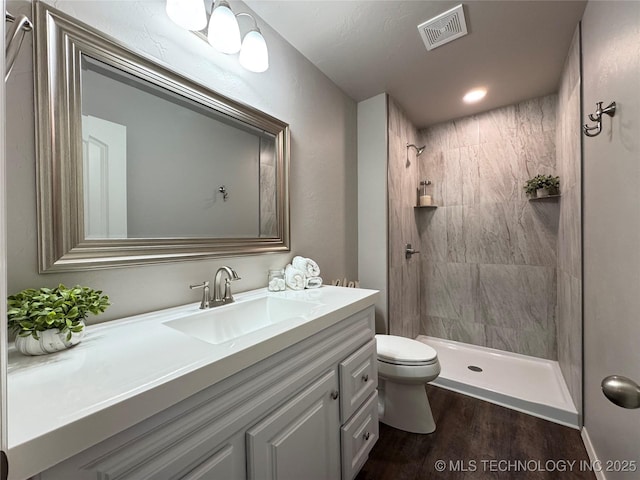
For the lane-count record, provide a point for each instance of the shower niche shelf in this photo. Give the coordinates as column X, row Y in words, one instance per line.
column 418, row 207
column 548, row 197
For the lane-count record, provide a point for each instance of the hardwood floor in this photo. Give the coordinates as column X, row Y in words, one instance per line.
column 478, row 440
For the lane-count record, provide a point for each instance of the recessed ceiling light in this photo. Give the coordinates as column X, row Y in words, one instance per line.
column 474, row 95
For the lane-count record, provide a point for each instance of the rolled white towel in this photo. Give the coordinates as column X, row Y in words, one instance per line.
column 313, row 282
column 307, row 266
column 277, row 285
column 295, row 278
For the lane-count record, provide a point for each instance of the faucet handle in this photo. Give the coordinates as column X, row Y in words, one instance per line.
column 228, row 297
column 206, row 294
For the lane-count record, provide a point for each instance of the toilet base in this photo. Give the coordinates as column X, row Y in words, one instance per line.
column 405, row 407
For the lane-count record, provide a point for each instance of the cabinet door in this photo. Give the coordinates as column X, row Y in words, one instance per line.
column 301, row 439
column 221, row 464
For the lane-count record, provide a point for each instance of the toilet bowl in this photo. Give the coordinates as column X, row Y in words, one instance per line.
column 404, row 367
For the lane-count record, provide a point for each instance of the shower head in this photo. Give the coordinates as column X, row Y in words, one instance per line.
column 419, row 150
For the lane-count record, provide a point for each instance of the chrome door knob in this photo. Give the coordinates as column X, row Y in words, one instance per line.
column 622, row 391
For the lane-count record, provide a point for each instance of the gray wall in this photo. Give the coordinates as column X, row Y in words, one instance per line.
column 323, row 158
column 372, row 202
column 611, row 72
column 489, row 255
column 569, row 168
column 404, row 274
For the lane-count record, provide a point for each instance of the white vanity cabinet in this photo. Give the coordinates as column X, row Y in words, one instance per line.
column 301, row 439
column 306, row 412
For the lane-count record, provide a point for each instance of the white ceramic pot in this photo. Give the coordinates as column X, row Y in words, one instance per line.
column 49, row 341
column 542, row 192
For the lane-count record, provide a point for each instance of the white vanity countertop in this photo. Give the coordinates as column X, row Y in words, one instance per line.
column 127, row 370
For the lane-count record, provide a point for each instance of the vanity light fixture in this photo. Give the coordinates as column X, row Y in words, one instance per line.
column 189, row 14
column 223, row 32
column 475, row 95
column 254, row 55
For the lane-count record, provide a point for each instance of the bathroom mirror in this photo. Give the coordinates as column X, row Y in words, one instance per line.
column 138, row 164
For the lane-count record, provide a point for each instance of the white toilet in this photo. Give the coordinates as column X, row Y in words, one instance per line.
column 404, row 367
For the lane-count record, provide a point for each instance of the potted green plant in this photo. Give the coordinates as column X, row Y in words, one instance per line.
column 542, row 186
column 532, row 185
column 51, row 319
column 551, row 185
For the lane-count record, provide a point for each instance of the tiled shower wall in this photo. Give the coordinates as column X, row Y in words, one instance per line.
column 488, row 254
column 404, row 274
column 568, row 159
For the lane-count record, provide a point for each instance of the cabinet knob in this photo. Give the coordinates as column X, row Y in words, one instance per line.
column 366, row 435
column 365, row 377
column 335, row 394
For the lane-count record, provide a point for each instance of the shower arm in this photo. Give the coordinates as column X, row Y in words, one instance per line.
column 419, row 150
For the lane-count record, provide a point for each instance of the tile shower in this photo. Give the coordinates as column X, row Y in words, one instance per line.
column 489, row 263
column 404, row 274
column 495, row 269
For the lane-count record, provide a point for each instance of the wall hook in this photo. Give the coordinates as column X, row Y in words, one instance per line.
column 14, row 37
column 223, row 191
column 597, row 117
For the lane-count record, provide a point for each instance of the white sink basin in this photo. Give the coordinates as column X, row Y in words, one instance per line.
column 229, row 322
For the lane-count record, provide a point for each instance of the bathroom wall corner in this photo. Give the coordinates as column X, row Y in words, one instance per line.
column 569, row 166
column 372, row 202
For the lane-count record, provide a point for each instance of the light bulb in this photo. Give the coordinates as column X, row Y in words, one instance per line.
column 224, row 32
column 474, row 95
column 189, row 14
column 254, row 55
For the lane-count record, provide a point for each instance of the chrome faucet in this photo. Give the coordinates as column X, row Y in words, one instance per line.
column 220, row 298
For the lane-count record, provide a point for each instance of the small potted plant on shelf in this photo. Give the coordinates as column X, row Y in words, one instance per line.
column 551, row 185
column 52, row 319
column 532, row 185
column 542, row 186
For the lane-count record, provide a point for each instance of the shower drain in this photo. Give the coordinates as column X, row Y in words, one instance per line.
column 473, row 368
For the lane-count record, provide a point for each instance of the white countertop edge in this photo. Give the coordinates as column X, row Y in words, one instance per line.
column 49, row 449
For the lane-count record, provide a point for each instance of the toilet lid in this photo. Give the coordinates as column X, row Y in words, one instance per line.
column 401, row 350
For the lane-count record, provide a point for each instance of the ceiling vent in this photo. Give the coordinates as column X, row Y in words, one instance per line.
column 444, row 28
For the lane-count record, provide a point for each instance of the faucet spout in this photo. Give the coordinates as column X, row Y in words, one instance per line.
column 221, row 298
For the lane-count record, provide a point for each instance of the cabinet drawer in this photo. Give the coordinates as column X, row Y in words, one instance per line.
column 358, row 379
column 358, row 437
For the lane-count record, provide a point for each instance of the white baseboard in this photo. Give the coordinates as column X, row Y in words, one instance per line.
column 592, row 453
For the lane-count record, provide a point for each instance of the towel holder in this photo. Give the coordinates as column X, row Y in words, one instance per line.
column 15, row 36
column 597, row 117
